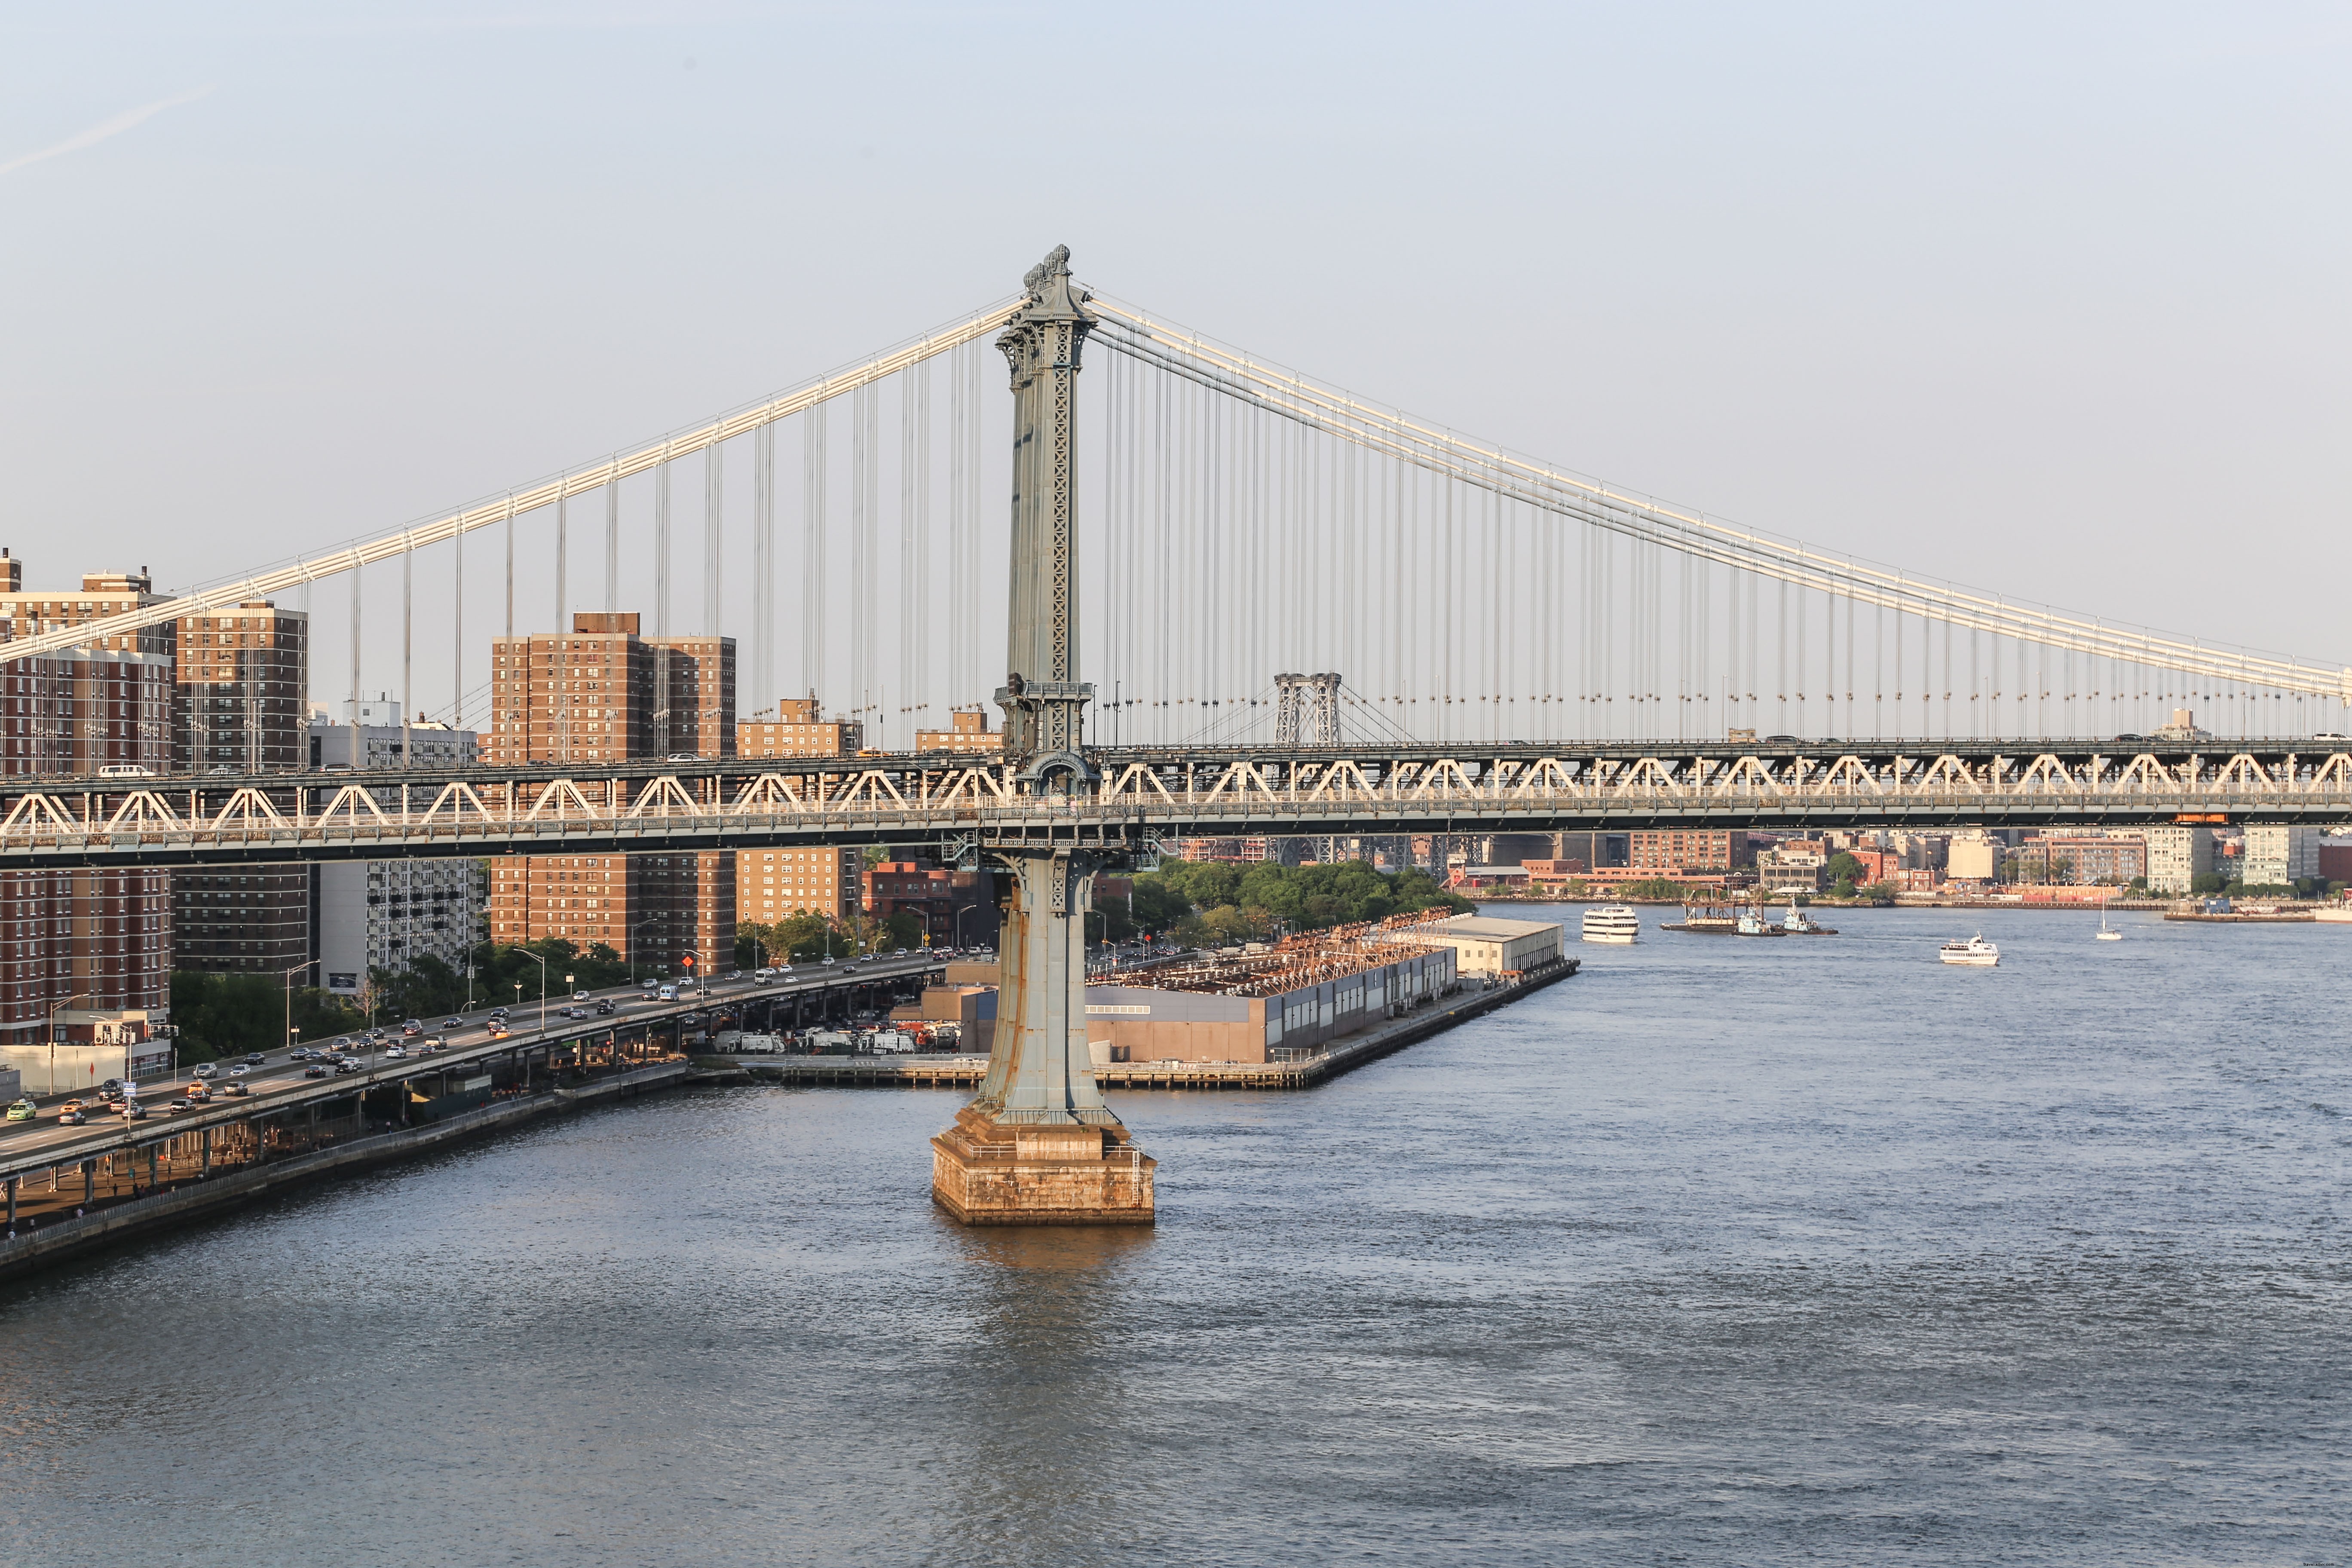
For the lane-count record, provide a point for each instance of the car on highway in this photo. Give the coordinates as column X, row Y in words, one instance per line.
column 74, row 1118
column 604, row 1007
column 254, row 1058
column 571, row 1012
column 453, row 1022
column 240, row 1070
column 346, row 1065
column 316, row 1069
column 207, row 1069
column 499, row 1031
column 763, row 976
column 579, row 996
column 412, row 1027
column 133, row 1111
column 235, row 1087
column 23, row 1111
column 395, row 1053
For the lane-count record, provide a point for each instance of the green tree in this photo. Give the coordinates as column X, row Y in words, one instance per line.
column 2206, row 882
column 228, row 1015
column 1843, row 867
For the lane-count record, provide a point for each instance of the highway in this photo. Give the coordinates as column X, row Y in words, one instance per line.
column 279, row 1084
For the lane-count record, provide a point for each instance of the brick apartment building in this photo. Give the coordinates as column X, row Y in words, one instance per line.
column 91, row 944
column 799, row 730
column 239, row 703
column 771, row 885
column 1663, row 851
column 967, row 731
column 600, row 692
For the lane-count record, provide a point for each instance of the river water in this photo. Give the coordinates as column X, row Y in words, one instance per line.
column 1720, row 1252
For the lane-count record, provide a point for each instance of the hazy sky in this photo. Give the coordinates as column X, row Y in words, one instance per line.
column 2047, row 300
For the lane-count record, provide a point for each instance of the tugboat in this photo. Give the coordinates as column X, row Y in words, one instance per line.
column 1797, row 922
column 1976, row 952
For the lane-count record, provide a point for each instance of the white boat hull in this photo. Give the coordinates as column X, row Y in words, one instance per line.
column 1611, row 939
column 1972, row 960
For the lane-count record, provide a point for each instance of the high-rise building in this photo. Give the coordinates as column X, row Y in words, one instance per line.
column 239, row 703
column 238, row 707
column 93, row 948
column 600, row 692
column 799, row 730
column 386, row 914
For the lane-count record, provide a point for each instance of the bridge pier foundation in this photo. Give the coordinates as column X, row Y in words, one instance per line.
column 1038, row 1146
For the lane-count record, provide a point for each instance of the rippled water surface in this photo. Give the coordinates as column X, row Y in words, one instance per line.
column 1722, row 1251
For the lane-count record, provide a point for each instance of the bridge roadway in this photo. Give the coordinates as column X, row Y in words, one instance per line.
column 277, row 1086
column 1151, row 795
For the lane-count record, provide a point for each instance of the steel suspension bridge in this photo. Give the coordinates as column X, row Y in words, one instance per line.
column 1525, row 647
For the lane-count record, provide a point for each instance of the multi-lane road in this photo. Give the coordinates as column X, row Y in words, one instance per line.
column 279, row 1082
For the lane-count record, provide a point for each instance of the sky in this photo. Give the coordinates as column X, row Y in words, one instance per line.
column 2046, row 300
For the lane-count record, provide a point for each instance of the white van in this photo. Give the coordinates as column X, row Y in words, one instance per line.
column 763, row 975
column 125, row 771
column 666, row 994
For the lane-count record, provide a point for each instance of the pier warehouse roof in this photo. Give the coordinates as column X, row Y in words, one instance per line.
column 1484, row 945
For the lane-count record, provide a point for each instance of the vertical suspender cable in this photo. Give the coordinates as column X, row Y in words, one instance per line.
column 407, row 644
column 661, row 608
column 510, row 620
column 814, row 595
column 763, row 568
column 714, row 511
column 563, row 563
column 355, row 661
column 612, row 544
column 456, row 632
column 918, row 690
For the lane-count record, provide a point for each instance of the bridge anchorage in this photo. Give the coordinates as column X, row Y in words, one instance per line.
column 1037, row 1145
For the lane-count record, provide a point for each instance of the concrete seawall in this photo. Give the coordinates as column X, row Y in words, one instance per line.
column 55, row 1243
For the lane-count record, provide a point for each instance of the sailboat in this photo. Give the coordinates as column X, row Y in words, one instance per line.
column 2107, row 932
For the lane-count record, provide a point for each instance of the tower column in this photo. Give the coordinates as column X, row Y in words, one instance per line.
column 1037, row 1145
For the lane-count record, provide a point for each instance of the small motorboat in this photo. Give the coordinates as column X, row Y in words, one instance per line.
column 1975, row 952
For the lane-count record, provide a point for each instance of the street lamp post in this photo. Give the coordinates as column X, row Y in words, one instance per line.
column 289, row 974
column 542, row 986
column 79, row 996
column 653, row 920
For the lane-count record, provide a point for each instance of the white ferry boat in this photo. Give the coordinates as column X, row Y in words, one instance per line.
column 1975, row 952
column 1611, row 924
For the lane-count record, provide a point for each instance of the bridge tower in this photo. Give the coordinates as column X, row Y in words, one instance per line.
column 1037, row 1145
